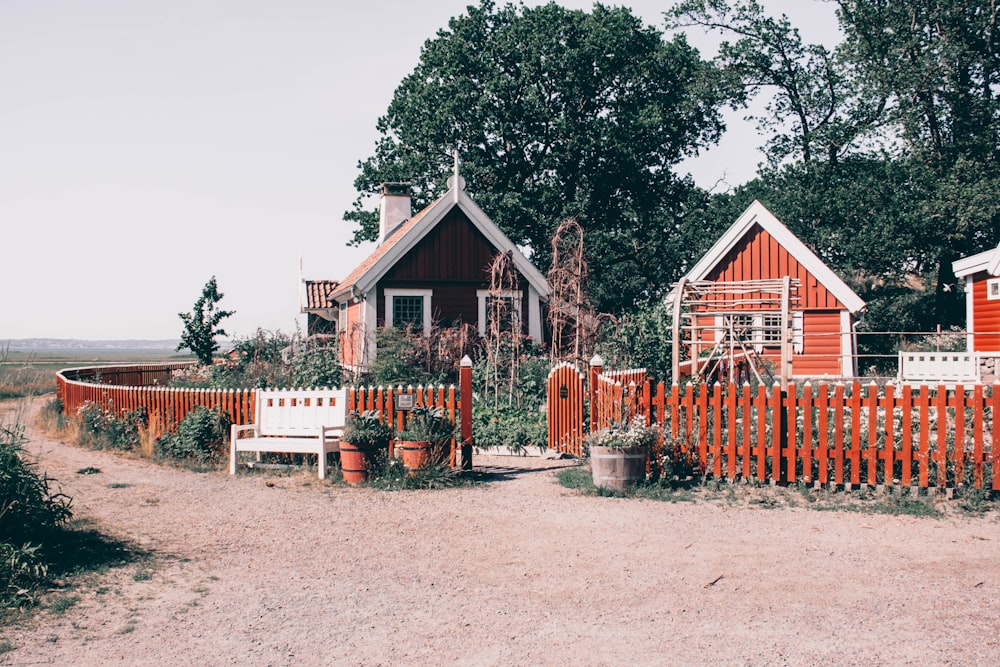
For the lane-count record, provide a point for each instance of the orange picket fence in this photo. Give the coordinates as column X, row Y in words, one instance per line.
column 843, row 435
column 120, row 389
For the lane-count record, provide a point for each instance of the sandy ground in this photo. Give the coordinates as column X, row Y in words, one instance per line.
column 274, row 569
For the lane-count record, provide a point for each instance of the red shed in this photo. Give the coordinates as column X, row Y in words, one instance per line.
column 756, row 253
column 982, row 299
column 433, row 267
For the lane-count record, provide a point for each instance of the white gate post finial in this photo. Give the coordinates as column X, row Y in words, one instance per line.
column 597, row 360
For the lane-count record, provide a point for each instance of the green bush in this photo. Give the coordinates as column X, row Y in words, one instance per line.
column 508, row 427
column 200, row 437
column 317, row 367
column 365, row 430
column 29, row 512
column 102, row 429
column 641, row 339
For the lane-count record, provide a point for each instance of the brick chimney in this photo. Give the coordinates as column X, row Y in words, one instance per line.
column 393, row 208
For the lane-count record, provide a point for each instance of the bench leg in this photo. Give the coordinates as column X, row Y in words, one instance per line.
column 322, row 461
column 232, row 451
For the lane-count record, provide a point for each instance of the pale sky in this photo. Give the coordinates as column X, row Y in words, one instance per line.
column 148, row 145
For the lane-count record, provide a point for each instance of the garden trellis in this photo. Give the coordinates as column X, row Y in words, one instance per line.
column 726, row 325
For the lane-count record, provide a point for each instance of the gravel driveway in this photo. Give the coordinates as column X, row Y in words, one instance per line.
column 276, row 569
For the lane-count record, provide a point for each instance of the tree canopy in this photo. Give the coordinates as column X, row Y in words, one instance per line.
column 889, row 142
column 884, row 152
column 556, row 114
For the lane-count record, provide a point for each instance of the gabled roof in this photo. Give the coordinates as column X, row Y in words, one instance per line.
column 367, row 274
column 757, row 214
column 988, row 261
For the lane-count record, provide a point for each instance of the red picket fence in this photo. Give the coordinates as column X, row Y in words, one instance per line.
column 105, row 386
column 828, row 434
column 383, row 399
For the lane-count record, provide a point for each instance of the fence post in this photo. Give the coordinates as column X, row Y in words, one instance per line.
column 465, row 390
column 596, row 368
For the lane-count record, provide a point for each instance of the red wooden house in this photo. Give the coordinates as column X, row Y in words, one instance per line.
column 982, row 299
column 755, row 254
column 431, row 268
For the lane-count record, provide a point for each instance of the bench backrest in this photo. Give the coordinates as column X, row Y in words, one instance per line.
column 939, row 366
column 300, row 411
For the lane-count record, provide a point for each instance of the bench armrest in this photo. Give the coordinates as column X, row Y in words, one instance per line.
column 332, row 431
column 236, row 429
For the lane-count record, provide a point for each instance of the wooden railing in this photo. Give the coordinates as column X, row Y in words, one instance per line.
column 843, row 435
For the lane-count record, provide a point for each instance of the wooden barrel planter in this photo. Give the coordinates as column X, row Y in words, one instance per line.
column 354, row 463
column 617, row 468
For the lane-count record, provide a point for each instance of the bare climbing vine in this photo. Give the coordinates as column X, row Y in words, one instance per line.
column 572, row 320
column 504, row 324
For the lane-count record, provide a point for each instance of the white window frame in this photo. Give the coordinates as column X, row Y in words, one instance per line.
column 425, row 293
column 993, row 289
column 756, row 334
column 342, row 316
column 483, row 295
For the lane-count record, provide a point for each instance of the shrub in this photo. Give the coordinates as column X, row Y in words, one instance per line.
column 29, row 512
column 317, row 367
column 427, row 424
column 28, row 507
column 102, row 429
column 508, row 427
column 200, row 437
column 365, row 430
column 640, row 340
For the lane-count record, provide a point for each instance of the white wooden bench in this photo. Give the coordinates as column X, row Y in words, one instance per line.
column 293, row 421
column 939, row 367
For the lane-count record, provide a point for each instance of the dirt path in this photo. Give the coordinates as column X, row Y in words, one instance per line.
column 281, row 570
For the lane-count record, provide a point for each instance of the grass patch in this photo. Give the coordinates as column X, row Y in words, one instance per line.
column 392, row 475
column 89, row 470
column 118, row 485
column 580, row 479
column 142, row 574
column 61, row 604
column 7, row 646
column 895, row 502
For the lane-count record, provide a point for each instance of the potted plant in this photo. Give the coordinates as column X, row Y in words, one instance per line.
column 425, row 437
column 618, row 454
column 365, row 434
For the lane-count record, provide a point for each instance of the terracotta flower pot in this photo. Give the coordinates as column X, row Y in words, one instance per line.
column 419, row 453
column 354, row 463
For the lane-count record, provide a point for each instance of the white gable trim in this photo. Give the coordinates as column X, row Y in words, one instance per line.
column 456, row 196
column 756, row 213
column 988, row 261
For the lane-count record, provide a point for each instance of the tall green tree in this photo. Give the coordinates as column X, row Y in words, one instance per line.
column 556, row 114
column 201, row 325
column 938, row 66
column 813, row 113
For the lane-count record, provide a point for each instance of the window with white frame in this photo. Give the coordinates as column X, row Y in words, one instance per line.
column 408, row 308
column 342, row 319
column 504, row 306
column 764, row 329
column 993, row 289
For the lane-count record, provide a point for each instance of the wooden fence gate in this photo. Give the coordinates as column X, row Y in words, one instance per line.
column 565, row 409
